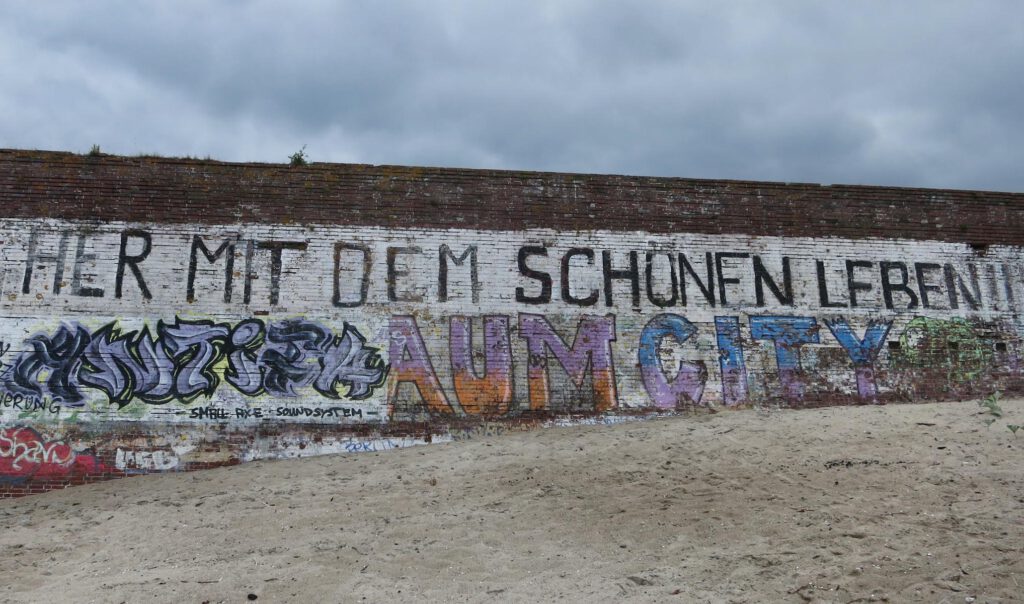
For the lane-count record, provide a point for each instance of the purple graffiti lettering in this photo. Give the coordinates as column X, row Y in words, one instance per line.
column 591, row 349
column 688, row 385
column 730, row 360
column 291, row 356
column 126, row 366
column 155, row 369
column 348, row 361
column 489, row 393
column 788, row 334
column 196, row 347
column 182, row 362
column 862, row 351
column 50, row 366
column 410, row 363
column 244, row 371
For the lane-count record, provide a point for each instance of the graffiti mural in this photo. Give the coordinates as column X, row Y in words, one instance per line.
column 169, row 347
column 180, row 362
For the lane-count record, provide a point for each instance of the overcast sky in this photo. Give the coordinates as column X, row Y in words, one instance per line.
column 912, row 93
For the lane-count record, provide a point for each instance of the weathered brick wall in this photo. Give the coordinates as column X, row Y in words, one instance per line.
column 165, row 315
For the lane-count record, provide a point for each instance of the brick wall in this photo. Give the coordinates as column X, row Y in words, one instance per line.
column 167, row 315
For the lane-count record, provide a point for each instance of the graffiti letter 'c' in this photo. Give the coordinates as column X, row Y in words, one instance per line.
column 688, row 385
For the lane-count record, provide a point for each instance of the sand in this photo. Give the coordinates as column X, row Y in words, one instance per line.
column 900, row 503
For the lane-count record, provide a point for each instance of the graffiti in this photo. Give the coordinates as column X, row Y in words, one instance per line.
column 136, row 462
column 862, row 351
column 410, row 363
column 318, row 412
column 480, row 431
column 373, row 445
column 787, row 334
column 24, row 454
column 951, row 346
column 55, row 361
column 28, row 404
column 489, row 393
column 472, row 332
column 181, row 362
column 208, row 413
column 590, row 352
column 586, row 361
column 688, row 385
column 731, row 360
column 246, row 413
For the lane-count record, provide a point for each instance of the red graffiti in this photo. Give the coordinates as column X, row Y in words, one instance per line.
column 24, row 454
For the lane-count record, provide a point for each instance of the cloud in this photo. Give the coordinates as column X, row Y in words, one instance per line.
column 916, row 93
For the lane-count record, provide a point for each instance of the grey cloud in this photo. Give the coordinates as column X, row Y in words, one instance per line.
column 916, row 93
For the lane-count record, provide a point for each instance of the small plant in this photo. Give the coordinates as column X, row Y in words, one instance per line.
column 94, row 151
column 991, row 406
column 1013, row 428
column 299, row 157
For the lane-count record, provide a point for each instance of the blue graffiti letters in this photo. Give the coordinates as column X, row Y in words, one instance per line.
column 188, row 359
column 862, row 351
column 50, row 366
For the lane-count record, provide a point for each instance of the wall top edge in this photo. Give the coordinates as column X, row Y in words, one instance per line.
column 48, row 184
column 67, row 157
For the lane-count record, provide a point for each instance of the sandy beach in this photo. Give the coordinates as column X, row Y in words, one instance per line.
column 894, row 503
